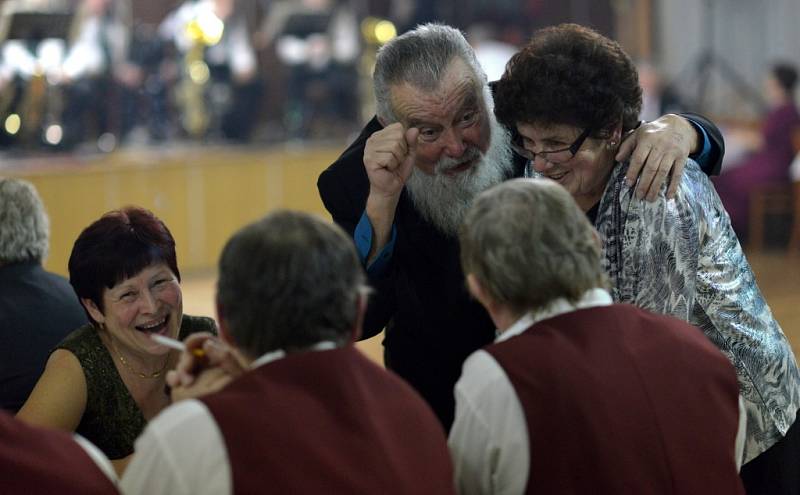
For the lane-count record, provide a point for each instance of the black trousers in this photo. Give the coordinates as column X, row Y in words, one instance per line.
column 777, row 470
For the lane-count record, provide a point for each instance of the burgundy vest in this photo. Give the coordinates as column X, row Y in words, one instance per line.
column 620, row 400
column 34, row 460
column 330, row 422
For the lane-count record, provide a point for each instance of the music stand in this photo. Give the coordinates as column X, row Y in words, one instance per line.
column 700, row 69
column 303, row 25
column 36, row 26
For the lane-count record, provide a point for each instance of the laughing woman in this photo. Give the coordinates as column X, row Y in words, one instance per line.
column 106, row 379
column 672, row 256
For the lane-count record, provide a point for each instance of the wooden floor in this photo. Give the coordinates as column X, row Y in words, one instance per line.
column 778, row 277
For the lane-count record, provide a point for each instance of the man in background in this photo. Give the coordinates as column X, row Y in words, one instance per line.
column 37, row 308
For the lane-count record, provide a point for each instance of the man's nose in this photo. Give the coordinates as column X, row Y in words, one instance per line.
column 454, row 145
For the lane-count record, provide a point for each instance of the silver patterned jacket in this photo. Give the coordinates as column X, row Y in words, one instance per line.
column 682, row 258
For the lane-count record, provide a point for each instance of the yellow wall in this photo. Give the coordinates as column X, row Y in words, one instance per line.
column 202, row 194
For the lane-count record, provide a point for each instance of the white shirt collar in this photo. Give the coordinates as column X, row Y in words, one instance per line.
column 591, row 298
column 277, row 354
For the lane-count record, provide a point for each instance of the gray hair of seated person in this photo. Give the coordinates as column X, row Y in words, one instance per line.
column 288, row 281
column 528, row 243
column 419, row 58
column 24, row 225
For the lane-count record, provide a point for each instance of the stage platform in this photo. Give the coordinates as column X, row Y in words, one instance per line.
column 203, row 193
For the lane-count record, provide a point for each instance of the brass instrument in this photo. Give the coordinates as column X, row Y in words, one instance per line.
column 376, row 32
column 204, row 30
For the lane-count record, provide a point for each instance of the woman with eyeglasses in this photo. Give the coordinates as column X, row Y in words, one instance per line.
column 679, row 256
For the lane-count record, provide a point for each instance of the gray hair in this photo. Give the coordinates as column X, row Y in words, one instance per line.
column 528, row 244
column 420, row 58
column 288, row 281
column 24, row 225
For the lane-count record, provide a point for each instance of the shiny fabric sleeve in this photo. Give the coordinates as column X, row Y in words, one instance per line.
column 681, row 257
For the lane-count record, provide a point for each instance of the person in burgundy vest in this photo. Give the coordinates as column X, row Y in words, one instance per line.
column 577, row 394
column 36, row 460
column 307, row 413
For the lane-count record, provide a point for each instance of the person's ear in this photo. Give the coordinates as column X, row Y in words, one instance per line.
column 616, row 136
column 477, row 291
column 222, row 324
column 93, row 310
column 361, row 311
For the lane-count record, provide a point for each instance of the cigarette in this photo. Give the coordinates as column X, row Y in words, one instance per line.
column 176, row 344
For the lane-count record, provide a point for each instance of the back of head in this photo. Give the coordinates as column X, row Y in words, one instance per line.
column 419, row 58
column 570, row 74
column 118, row 246
column 24, row 226
column 786, row 76
column 289, row 281
column 528, row 243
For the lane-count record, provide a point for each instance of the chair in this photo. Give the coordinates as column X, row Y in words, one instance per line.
column 775, row 199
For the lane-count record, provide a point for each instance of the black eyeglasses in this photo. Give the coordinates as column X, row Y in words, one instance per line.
column 552, row 156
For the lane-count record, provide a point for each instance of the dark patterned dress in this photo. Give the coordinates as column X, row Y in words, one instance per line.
column 112, row 420
column 682, row 258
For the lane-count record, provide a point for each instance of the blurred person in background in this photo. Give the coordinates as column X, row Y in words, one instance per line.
column 106, row 379
column 227, row 92
column 37, row 308
column 319, row 42
column 678, row 256
column 771, row 148
column 95, row 61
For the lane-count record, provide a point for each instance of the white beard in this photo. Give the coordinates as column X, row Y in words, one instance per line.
column 444, row 200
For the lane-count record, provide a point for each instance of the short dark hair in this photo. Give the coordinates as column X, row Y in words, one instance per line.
column 786, row 75
column 288, row 281
column 570, row 74
column 118, row 246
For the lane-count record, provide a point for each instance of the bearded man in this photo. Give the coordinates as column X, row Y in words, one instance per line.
column 403, row 187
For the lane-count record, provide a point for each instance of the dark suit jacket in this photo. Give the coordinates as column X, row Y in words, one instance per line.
column 432, row 324
column 37, row 310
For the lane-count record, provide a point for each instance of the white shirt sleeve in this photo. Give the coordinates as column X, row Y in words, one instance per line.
column 98, row 457
column 181, row 451
column 489, row 439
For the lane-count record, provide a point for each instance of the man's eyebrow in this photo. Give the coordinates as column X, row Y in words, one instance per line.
column 470, row 101
column 420, row 123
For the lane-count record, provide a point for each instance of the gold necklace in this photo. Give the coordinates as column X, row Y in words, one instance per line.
column 128, row 367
